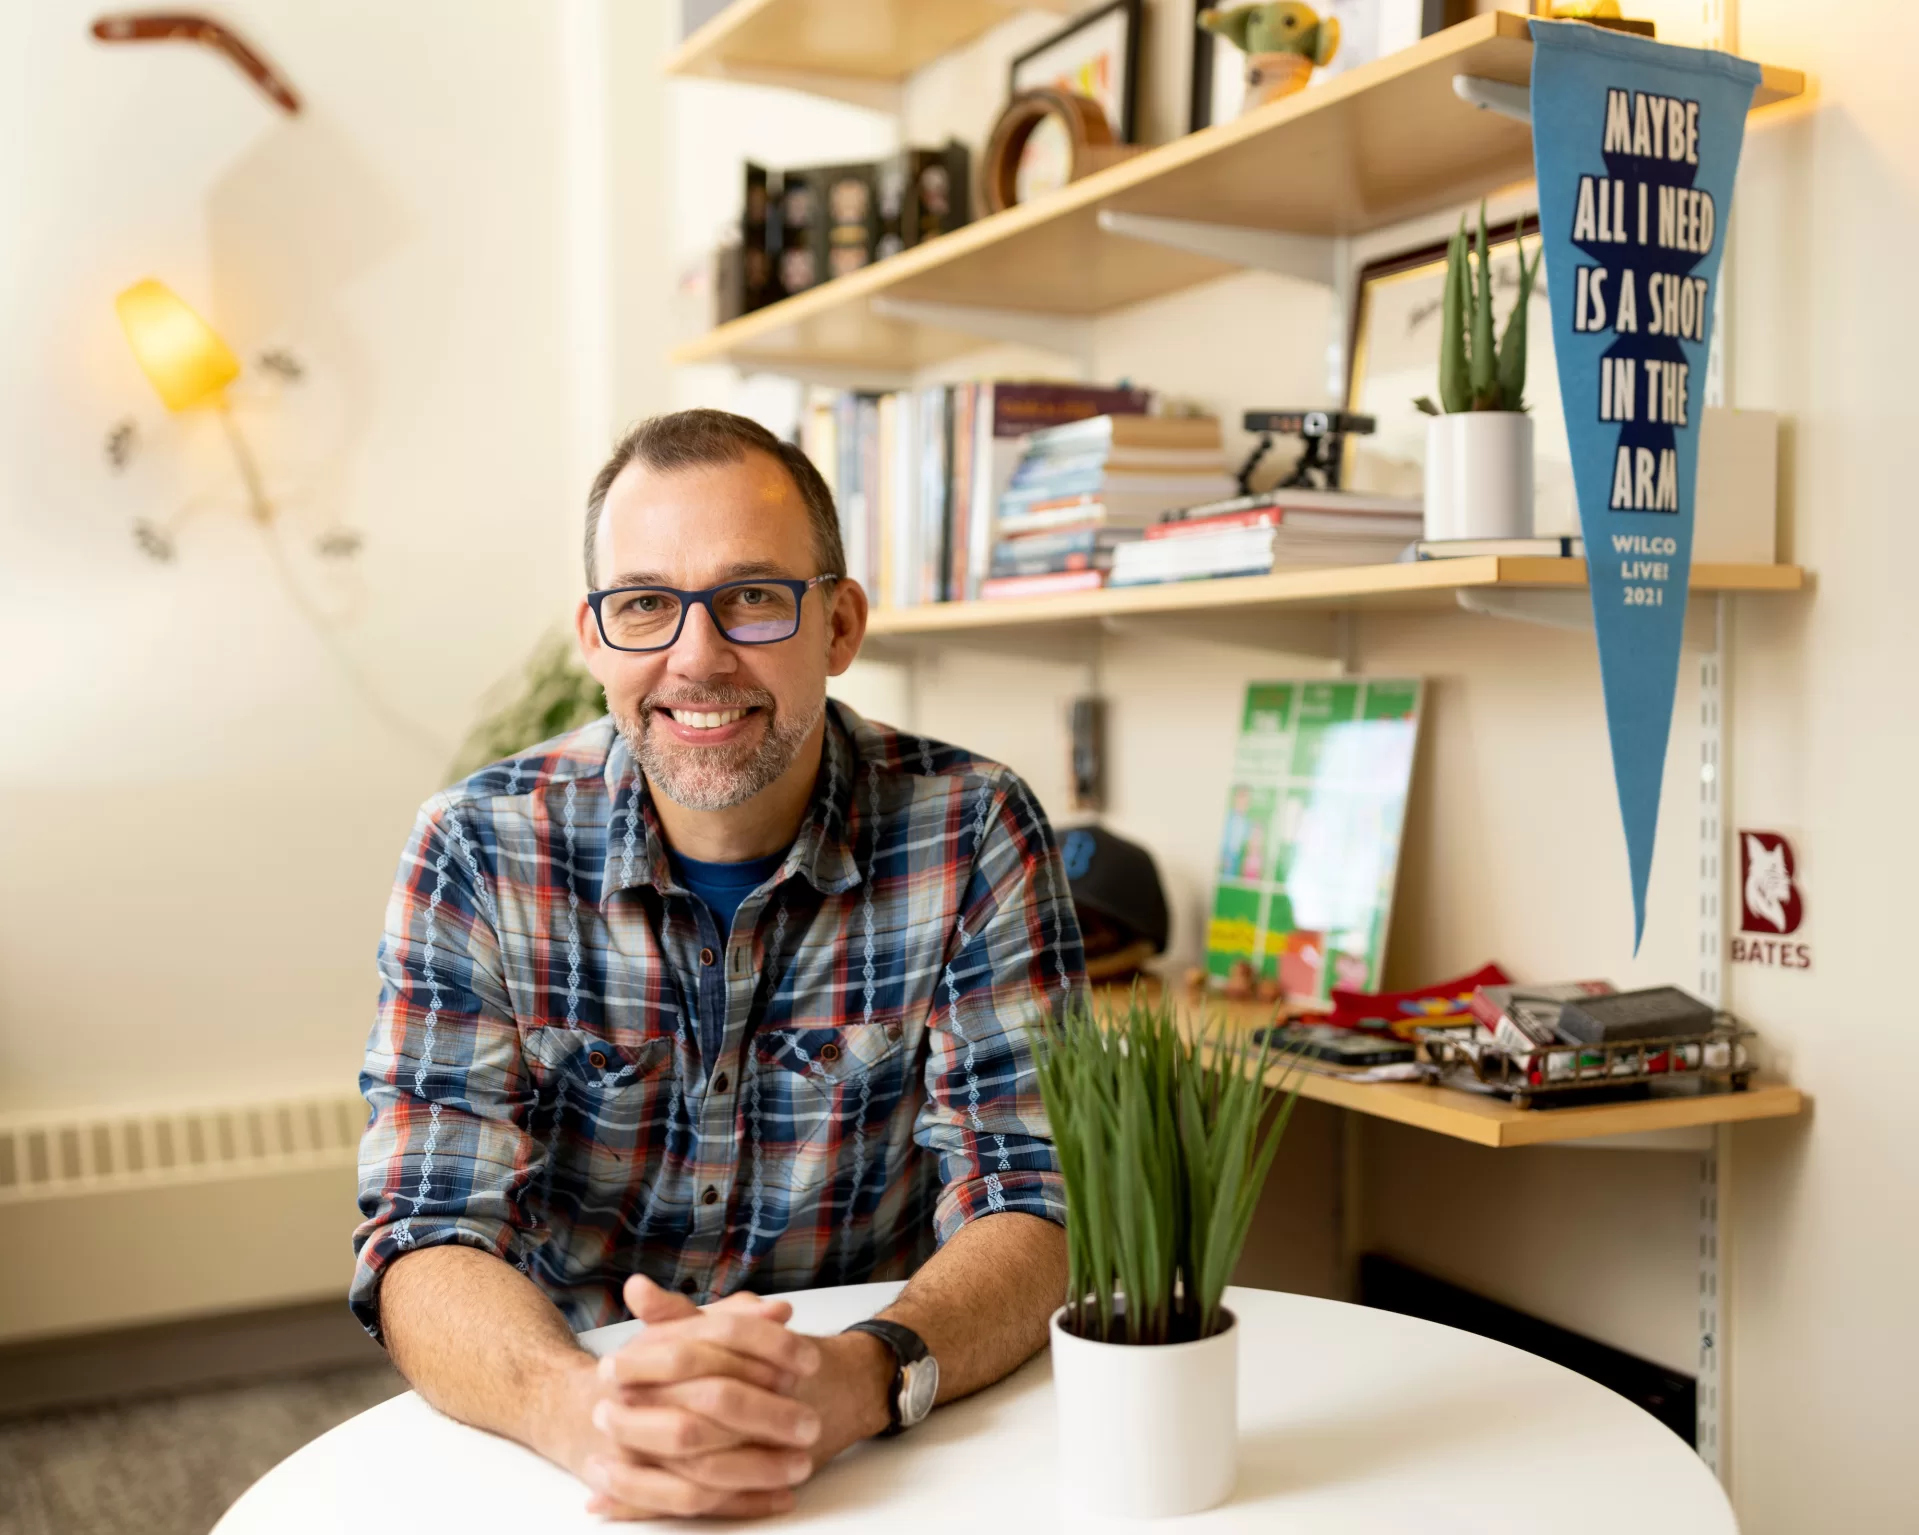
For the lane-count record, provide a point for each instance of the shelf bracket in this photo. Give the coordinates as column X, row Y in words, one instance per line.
column 1316, row 636
column 1687, row 1138
column 1514, row 101
column 1560, row 608
column 1069, row 335
column 850, row 376
column 1552, row 609
column 1307, row 257
column 886, row 96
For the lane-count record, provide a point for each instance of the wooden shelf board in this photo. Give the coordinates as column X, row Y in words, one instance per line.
column 1421, row 583
column 1488, row 1121
column 881, row 40
column 1385, row 142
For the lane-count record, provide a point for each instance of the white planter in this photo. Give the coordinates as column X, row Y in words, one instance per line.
column 1146, row 1431
column 1479, row 475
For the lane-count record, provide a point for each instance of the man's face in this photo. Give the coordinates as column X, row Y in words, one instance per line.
column 713, row 723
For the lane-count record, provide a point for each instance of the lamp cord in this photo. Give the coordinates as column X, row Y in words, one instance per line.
column 257, row 502
column 362, row 685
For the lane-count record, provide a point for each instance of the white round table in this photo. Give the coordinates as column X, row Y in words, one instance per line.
column 1351, row 1420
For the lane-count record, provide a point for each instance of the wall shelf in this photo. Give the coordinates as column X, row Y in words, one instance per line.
column 1425, row 583
column 1488, row 1121
column 822, row 45
column 1385, row 142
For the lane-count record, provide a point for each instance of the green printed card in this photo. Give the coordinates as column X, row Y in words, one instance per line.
column 1313, row 825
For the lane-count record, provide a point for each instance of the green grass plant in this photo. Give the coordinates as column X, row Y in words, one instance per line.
column 1163, row 1155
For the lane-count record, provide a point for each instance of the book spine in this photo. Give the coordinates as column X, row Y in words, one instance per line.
column 1269, row 517
column 933, row 489
column 960, row 514
column 1169, row 578
column 1040, row 546
column 1042, row 585
column 886, row 553
column 1078, row 500
column 1046, row 519
column 869, row 413
column 985, row 489
column 850, row 498
column 1021, row 408
column 906, row 509
column 1050, row 564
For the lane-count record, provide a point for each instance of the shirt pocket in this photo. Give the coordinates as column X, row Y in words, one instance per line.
column 589, row 1084
column 823, row 1095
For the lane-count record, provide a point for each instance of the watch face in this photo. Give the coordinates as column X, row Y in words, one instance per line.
column 920, row 1384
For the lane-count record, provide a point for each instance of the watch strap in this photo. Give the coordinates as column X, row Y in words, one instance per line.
column 908, row 1348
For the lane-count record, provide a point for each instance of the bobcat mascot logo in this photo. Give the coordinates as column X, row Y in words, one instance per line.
column 1771, row 898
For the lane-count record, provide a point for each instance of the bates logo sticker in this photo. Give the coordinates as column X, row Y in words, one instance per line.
column 1768, row 896
column 1769, row 903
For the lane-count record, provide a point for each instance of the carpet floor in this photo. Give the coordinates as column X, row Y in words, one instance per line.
column 168, row 1465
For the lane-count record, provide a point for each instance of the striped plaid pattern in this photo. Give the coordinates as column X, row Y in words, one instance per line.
column 534, row 1070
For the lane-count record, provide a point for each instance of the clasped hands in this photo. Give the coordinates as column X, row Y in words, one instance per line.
column 720, row 1410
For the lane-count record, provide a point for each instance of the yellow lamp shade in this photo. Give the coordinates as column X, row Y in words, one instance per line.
column 187, row 362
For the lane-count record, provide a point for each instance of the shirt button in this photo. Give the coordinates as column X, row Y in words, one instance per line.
column 689, row 1287
column 711, row 1196
column 706, row 956
column 598, row 1058
column 829, row 1052
column 719, row 1083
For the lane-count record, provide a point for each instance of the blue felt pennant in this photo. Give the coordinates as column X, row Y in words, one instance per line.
column 1636, row 145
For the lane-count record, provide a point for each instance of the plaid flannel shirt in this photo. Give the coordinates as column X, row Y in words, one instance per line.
column 534, row 1070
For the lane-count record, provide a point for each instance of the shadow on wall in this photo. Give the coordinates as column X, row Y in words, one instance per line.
column 299, row 218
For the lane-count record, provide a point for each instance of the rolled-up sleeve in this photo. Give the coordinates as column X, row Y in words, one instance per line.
column 1015, row 961
column 447, row 1154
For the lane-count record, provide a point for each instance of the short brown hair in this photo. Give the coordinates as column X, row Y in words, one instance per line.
column 687, row 439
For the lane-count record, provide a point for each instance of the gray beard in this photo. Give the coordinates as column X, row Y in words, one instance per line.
column 716, row 777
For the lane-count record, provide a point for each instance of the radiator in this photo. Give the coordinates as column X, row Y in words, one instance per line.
column 122, row 1217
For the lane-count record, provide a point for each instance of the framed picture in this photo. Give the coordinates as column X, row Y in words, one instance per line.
column 1393, row 358
column 1095, row 55
column 1368, row 30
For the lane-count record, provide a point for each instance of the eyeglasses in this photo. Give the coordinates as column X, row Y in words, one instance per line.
column 760, row 612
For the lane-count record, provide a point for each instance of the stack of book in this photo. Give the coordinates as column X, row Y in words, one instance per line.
column 1254, row 535
column 917, row 475
column 1084, row 493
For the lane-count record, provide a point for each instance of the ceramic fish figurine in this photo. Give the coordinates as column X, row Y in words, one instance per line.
column 1287, row 27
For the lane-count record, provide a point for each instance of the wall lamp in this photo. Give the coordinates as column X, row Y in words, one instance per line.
column 189, row 367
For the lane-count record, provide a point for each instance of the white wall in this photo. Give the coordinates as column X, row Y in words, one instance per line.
column 200, row 817
column 1513, row 850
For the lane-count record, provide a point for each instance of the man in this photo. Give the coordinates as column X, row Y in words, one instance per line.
column 726, row 993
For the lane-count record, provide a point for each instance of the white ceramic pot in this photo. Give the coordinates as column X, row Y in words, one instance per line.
column 1479, row 475
column 1146, row 1431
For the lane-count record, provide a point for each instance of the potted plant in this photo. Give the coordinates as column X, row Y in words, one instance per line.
column 1164, row 1154
column 1479, row 448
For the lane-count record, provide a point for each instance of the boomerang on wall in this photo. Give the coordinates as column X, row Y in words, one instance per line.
column 192, row 27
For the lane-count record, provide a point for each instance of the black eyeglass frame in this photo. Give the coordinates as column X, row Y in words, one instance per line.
column 704, row 598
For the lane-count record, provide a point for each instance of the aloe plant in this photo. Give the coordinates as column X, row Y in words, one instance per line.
column 1164, row 1155
column 1474, row 374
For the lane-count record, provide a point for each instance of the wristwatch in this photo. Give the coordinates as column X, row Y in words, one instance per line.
column 916, row 1374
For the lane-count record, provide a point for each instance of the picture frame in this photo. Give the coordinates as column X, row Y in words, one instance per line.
column 1095, row 54
column 1369, row 29
column 1392, row 357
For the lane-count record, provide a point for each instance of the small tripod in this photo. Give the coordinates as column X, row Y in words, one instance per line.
column 1322, row 431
